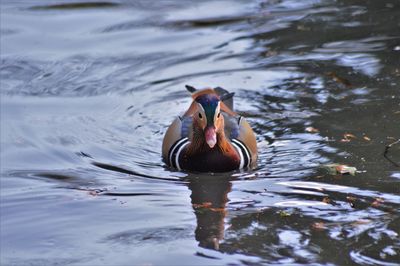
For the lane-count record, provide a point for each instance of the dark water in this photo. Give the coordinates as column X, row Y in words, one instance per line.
column 88, row 89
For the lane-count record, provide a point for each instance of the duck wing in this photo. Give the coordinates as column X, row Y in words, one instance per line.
column 237, row 129
column 179, row 130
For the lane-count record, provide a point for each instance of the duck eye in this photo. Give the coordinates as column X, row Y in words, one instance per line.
column 200, row 116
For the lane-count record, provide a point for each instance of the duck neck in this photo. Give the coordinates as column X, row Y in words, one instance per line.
column 199, row 145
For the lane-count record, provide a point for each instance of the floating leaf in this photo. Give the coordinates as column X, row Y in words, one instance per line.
column 348, row 137
column 362, row 221
column 312, row 130
column 366, row 138
column 284, row 214
column 326, row 200
column 344, row 169
column 334, row 169
column 93, row 193
column 319, row 226
column 338, row 79
column 377, row 202
column 351, row 200
column 303, row 28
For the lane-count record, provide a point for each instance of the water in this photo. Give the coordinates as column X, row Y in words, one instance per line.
column 88, row 90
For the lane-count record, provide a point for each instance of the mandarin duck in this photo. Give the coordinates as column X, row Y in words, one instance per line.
column 210, row 136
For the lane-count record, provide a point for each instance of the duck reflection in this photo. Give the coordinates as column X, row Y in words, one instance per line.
column 209, row 197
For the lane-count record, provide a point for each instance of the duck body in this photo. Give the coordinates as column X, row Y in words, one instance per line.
column 210, row 137
column 211, row 160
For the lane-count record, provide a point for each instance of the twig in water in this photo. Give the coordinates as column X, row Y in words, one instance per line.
column 387, row 150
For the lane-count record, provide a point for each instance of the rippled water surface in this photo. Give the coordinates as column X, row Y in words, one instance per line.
column 89, row 88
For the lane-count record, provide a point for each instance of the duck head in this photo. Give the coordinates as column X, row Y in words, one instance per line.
column 208, row 118
column 206, row 113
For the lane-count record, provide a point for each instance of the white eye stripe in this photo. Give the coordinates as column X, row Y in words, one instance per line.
column 201, row 108
column 202, row 112
column 217, row 110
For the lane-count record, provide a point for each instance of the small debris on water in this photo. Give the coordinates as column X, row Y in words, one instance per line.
column 319, row 226
column 338, row 79
column 334, row 169
column 361, row 222
column 366, row 138
column 284, row 213
column 312, row 130
column 377, row 202
column 327, row 200
column 348, row 137
column 351, row 200
column 202, row 205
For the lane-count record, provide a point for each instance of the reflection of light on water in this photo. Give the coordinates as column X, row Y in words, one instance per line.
column 290, row 237
column 307, row 192
column 396, row 175
column 295, row 203
column 364, row 63
column 339, row 188
column 314, row 185
column 363, row 259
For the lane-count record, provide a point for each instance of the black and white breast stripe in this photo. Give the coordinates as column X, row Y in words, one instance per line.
column 175, row 151
column 244, row 153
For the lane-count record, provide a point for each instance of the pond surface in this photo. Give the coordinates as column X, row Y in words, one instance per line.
column 88, row 90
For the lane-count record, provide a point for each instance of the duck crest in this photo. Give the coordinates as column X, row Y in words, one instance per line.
column 210, row 137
